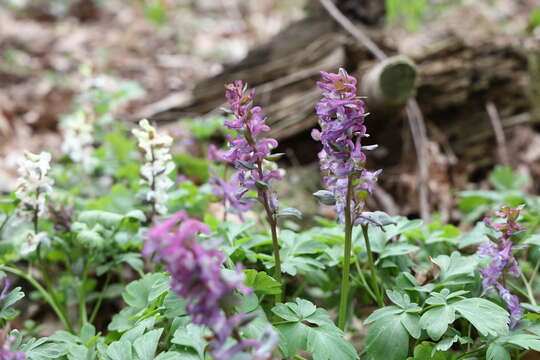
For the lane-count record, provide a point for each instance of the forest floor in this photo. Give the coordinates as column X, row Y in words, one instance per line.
column 47, row 46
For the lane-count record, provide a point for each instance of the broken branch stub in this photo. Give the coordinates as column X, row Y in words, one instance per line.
column 391, row 82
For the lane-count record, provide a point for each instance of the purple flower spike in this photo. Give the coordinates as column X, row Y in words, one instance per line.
column 502, row 260
column 341, row 117
column 198, row 276
column 250, row 152
column 7, row 354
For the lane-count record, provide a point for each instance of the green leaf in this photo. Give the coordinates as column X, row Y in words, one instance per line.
column 476, row 236
column 293, row 336
column 136, row 214
column 504, row 178
column 488, row 318
column 534, row 18
column 426, row 351
column 120, row 350
column 383, row 312
column 90, row 238
column 456, row 266
column 411, row 322
column 171, row 355
column 191, row 336
column 132, row 259
column 141, row 293
column 6, row 311
column 261, row 282
column 105, row 218
column 174, row 305
column 78, row 352
column 88, row 331
column 524, row 341
column 295, row 253
column 435, row 320
column 192, row 167
column 403, row 301
column 156, row 11
column 387, row 339
column 146, row 345
column 533, row 240
column 327, row 344
column 497, row 352
column 310, row 329
column 447, row 342
column 38, row 349
column 397, row 249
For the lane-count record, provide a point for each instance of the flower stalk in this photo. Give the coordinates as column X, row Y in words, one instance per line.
column 46, row 295
column 345, row 278
column 157, row 167
column 251, row 154
column 341, row 117
column 374, row 277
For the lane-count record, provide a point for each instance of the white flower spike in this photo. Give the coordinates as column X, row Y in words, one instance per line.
column 158, row 165
column 34, row 185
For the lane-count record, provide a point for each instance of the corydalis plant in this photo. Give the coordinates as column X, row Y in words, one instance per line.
column 503, row 261
column 33, row 188
column 197, row 274
column 34, row 185
column 251, row 154
column 341, row 118
column 157, row 167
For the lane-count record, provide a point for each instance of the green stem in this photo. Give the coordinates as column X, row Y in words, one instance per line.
column 48, row 298
column 519, row 290
column 46, row 278
column 344, row 296
column 277, row 258
column 469, row 329
column 271, row 216
column 4, row 222
column 83, row 315
column 272, row 221
column 534, row 272
column 530, row 294
column 41, row 263
column 100, row 297
column 364, row 282
column 371, row 264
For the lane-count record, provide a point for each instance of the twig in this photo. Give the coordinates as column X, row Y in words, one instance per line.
column 414, row 114
column 496, row 123
column 418, row 129
column 353, row 30
column 386, row 200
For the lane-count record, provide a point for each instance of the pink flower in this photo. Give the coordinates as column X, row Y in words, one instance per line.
column 341, row 117
column 197, row 275
column 502, row 260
